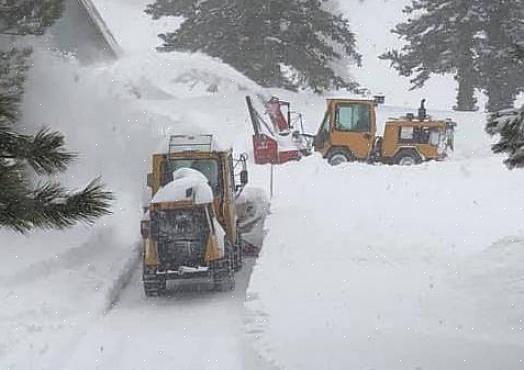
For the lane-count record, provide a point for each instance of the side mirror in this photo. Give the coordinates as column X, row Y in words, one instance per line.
column 150, row 180
column 244, row 177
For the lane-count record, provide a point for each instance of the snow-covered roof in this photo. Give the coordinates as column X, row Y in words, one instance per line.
column 187, row 184
column 83, row 32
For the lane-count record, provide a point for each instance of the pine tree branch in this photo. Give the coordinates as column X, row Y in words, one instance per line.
column 509, row 125
column 51, row 207
column 44, row 151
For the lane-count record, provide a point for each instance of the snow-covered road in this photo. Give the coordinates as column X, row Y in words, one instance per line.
column 191, row 328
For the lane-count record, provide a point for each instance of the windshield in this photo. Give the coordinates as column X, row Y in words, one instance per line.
column 208, row 167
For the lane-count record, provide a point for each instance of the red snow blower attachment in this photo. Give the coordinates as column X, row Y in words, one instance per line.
column 277, row 143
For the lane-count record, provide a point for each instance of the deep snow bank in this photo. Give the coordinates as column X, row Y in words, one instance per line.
column 381, row 267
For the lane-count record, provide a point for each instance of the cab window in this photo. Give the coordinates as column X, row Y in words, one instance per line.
column 208, row 167
column 353, row 117
column 419, row 135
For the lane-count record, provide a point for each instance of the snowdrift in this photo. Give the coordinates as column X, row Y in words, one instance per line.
column 384, row 267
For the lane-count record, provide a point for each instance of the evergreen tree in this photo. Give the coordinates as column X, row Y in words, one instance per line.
column 471, row 39
column 28, row 17
column 23, row 204
column 502, row 28
column 291, row 44
column 440, row 39
column 13, row 67
column 509, row 125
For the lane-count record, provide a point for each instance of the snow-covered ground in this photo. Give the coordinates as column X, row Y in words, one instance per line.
column 377, row 267
column 364, row 266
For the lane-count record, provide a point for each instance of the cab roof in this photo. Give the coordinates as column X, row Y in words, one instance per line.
column 351, row 100
column 428, row 122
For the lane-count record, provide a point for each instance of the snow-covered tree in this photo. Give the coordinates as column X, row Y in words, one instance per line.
column 291, row 44
column 440, row 39
column 19, row 18
column 23, row 17
column 24, row 204
column 509, row 125
column 471, row 39
column 502, row 29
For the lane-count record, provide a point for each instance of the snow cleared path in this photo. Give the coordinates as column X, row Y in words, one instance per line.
column 192, row 328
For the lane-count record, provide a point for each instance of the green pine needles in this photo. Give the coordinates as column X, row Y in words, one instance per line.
column 24, row 206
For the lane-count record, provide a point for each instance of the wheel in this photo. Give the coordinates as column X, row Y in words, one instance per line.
column 338, row 156
column 223, row 273
column 238, row 256
column 407, row 158
column 154, row 285
column 225, row 285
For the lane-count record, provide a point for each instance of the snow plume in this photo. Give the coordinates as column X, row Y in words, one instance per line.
column 115, row 117
column 82, row 267
column 102, row 121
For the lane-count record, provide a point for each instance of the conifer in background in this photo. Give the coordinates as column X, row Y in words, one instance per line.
column 471, row 39
column 291, row 44
column 509, row 125
column 440, row 39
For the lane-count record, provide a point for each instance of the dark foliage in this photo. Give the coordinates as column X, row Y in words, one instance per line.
column 25, row 205
column 471, row 39
column 291, row 44
column 48, row 205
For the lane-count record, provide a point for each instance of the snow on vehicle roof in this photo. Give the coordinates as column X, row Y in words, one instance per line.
column 187, row 184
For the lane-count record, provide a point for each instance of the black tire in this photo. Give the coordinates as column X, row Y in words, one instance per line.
column 338, row 156
column 407, row 158
column 238, row 256
column 223, row 272
column 154, row 285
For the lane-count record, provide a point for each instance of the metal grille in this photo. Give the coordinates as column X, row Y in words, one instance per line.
column 181, row 237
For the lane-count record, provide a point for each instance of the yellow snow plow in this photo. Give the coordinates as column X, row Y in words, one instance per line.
column 191, row 228
column 349, row 132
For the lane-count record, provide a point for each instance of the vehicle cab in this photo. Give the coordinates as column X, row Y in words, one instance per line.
column 348, row 130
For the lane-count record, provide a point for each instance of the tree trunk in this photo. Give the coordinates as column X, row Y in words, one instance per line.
column 501, row 79
column 466, row 101
column 500, row 94
column 466, row 76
